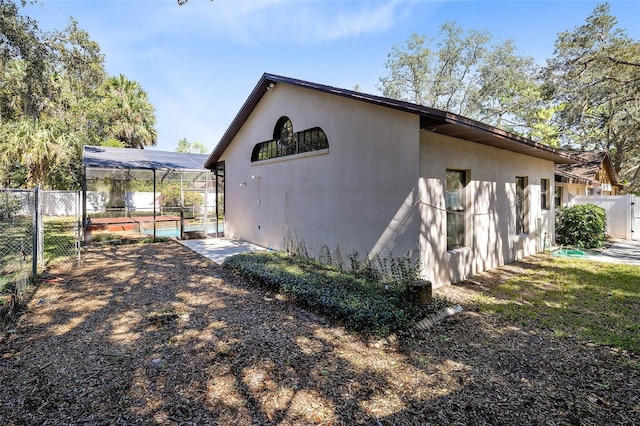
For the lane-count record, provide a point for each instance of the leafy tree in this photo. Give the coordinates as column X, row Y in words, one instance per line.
column 172, row 197
column 47, row 81
column 114, row 143
column 409, row 69
column 20, row 38
column 593, row 80
column 463, row 72
column 193, row 147
column 183, row 2
column 55, row 97
column 509, row 96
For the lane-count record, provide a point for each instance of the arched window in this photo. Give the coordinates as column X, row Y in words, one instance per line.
column 283, row 134
column 286, row 142
column 283, row 129
column 312, row 140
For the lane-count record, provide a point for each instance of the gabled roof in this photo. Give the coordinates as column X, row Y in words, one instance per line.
column 430, row 119
column 140, row 159
column 587, row 169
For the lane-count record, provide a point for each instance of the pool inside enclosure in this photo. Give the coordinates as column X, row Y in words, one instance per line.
column 150, row 193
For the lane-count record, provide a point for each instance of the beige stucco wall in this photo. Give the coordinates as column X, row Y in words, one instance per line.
column 378, row 189
column 491, row 238
column 570, row 190
column 359, row 194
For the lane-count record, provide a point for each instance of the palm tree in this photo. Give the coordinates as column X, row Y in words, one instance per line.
column 9, row 157
column 130, row 117
column 38, row 144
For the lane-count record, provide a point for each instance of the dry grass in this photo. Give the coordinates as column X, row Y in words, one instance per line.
column 155, row 334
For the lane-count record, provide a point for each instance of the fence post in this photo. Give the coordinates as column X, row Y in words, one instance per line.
column 40, row 228
column 78, row 225
column 632, row 199
column 35, row 232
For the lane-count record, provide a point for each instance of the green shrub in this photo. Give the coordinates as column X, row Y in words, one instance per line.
column 101, row 237
column 9, row 205
column 171, row 197
column 358, row 303
column 582, row 226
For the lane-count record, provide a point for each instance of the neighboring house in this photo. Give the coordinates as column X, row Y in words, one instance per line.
column 595, row 174
column 326, row 166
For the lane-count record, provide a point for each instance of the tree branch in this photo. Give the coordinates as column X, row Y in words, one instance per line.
column 623, row 62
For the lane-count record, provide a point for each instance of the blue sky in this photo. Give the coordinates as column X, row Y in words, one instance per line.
column 199, row 62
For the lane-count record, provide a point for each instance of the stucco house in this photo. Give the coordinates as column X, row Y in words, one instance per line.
column 594, row 174
column 345, row 169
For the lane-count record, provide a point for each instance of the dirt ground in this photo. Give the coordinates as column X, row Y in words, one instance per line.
column 156, row 334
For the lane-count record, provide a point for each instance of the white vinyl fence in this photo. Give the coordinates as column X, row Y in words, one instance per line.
column 623, row 214
column 133, row 201
column 60, row 203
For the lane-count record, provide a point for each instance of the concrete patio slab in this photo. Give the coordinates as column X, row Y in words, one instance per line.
column 219, row 249
column 618, row 251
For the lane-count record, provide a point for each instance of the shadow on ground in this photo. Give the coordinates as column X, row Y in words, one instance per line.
column 156, row 334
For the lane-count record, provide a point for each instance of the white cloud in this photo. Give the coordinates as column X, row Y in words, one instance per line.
column 371, row 18
column 293, row 22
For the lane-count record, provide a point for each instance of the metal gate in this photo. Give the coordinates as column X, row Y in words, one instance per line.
column 60, row 231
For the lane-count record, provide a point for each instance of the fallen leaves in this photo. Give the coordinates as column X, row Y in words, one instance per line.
column 156, row 334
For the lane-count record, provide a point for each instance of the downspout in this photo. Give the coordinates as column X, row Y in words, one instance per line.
column 206, row 204
column 216, row 201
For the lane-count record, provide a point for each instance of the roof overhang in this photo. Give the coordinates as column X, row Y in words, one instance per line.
column 102, row 157
column 430, row 119
column 564, row 177
column 613, row 173
column 467, row 129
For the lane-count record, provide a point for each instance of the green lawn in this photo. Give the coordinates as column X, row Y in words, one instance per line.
column 59, row 239
column 598, row 302
column 16, row 243
column 15, row 236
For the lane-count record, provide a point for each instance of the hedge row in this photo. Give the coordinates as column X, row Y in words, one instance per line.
column 359, row 304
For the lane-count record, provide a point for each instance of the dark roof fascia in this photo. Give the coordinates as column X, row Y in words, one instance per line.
column 256, row 95
column 612, row 170
column 430, row 119
column 571, row 178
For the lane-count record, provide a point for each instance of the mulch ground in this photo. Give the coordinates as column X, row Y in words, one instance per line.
column 155, row 334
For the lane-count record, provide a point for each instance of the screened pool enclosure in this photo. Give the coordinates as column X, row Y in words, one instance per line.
column 144, row 193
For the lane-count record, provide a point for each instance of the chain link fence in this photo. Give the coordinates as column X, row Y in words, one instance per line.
column 37, row 229
column 60, row 227
column 18, row 224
